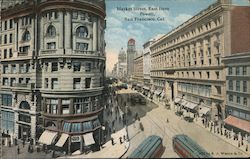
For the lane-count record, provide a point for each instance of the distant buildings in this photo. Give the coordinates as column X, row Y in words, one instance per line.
column 52, row 72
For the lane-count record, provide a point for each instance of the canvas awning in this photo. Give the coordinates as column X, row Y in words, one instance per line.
column 238, row 123
column 145, row 87
column 190, row 105
column 177, row 100
column 88, row 139
column 62, row 140
column 183, row 102
column 204, row 110
column 157, row 92
column 47, row 137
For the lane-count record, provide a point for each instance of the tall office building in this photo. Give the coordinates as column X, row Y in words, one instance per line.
column 53, row 64
column 131, row 51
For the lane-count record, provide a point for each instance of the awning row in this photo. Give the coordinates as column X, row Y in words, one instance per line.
column 238, row 123
column 48, row 137
column 204, row 110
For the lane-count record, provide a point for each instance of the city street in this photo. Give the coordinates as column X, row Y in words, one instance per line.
column 154, row 119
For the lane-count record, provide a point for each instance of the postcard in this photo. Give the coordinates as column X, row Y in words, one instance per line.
column 125, row 79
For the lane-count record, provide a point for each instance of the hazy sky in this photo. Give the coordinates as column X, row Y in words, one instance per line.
column 119, row 30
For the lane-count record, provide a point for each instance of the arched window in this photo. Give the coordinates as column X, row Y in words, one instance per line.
column 24, row 105
column 82, row 32
column 51, row 31
column 26, row 36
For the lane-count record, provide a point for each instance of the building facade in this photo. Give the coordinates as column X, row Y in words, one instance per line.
column 131, row 51
column 186, row 62
column 122, row 64
column 138, row 77
column 53, row 65
column 238, row 92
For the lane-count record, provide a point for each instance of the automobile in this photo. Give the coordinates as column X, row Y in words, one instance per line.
column 179, row 113
column 188, row 119
column 124, row 85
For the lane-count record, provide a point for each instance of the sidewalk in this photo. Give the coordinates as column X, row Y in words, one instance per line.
column 198, row 122
column 108, row 151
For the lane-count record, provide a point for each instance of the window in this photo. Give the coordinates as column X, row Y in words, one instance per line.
column 52, row 106
column 218, row 88
column 231, row 98
column 21, row 68
column 0, row 38
column 82, row 32
column 81, row 105
column 245, row 101
column 10, row 38
column 56, row 15
column 24, row 118
column 87, row 82
column 76, row 66
column 5, row 69
column 237, row 85
column 237, row 70
column 8, row 121
column 218, row 60
column 193, row 74
column 46, row 83
column 6, row 99
column 238, row 99
column 5, row 54
column 24, row 49
column 27, row 80
column 27, row 67
column 76, row 127
column 244, row 70
column 21, row 81
column 87, row 126
column 51, row 45
column 209, row 61
column 5, row 39
column 5, row 25
column 202, row 62
column 88, row 67
column 82, row 46
column 65, row 106
column 51, row 31
column 13, row 68
column 54, row 66
column 244, row 86
column 54, row 83
column 26, row 36
column 77, row 83
column 230, row 70
column 230, row 85
column 208, row 75
column 217, row 75
column 200, row 75
column 10, row 53
column 66, row 127
column 11, row 23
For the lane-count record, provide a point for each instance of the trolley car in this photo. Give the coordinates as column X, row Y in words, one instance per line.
column 151, row 147
column 185, row 147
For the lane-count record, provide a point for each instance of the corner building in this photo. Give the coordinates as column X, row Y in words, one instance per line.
column 186, row 62
column 55, row 70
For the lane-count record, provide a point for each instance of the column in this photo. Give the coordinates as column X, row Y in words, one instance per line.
column 41, row 33
column 59, row 107
column 71, row 106
column 16, row 32
column 68, row 30
column 94, row 34
column 69, row 153
column 60, row 42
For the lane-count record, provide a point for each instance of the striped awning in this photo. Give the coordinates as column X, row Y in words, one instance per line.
column 238, row 123
column 177, row 100
column 88, row 139
column 204, row 110
column 191, row 105
column 47, row 137
column 62, row 140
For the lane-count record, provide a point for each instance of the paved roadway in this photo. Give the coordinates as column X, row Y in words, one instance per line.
column 154, row 119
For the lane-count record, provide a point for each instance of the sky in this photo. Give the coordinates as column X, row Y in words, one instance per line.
column 172, row 13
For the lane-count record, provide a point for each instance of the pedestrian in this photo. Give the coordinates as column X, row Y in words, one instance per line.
column 112, row 140
column 18, row 150
column 246, row 147
column 120, row 140
column 124, row 137
column 242, row 141
column 23, row 142
column 239, row 144
column 9, row 143
column 167, row 120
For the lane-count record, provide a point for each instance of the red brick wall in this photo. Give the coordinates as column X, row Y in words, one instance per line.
column 240, row 29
